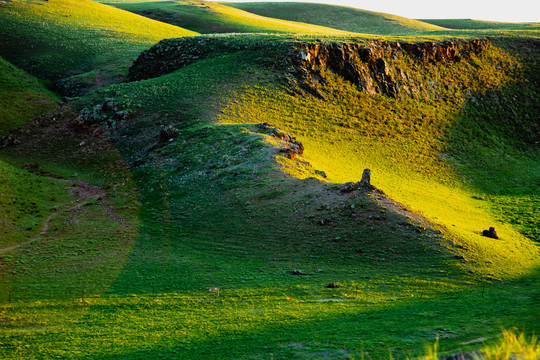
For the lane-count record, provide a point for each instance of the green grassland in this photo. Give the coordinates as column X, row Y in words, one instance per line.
column 211, row 17
column 126, row 274
column 90, row 42
column 339, row 17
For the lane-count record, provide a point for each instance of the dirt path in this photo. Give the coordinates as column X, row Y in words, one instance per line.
column 81, row 191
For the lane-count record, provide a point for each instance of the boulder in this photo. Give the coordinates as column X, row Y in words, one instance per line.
column 491, row 233
column 366, row 179
column 349, row 187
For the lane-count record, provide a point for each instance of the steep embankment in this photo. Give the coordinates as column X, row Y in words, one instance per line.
column 87, row 41
column 339, row 17
column 211, row 17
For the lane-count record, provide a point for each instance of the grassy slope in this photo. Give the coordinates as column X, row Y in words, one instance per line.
column 468, row 24
column 211, row 17
column 215, row 212
column 21, row 97
column 339, row 17
column 344, row 135
column 23, row 204
column 65, row 37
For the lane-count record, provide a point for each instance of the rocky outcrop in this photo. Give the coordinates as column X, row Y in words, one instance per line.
column 371, row 66
column 171, row 54
column 107, row 115
column 291, row 147
column 365, row 183
column 368, row 65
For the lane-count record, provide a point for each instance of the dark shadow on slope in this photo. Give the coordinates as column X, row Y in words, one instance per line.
column 212, row 216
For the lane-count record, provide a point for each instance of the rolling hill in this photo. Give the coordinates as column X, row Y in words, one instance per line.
column 339, row 17
column 90, row 42
column 211, row 17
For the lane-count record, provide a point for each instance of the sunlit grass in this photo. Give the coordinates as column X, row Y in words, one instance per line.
column 68, row 37
column 212, row 17
column 339, row 17
column 513, row 345
column 403, row 142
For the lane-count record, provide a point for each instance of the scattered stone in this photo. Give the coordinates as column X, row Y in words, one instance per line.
column 321, row 173
column 292, row 149
column 491, row 233
column 266, row 126
column 167, row 133
column 299, row 273
column 282, row 135
column 332, row 285
column 349, row 187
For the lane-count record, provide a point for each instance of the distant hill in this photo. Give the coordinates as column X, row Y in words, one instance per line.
column 210, row 17
column 100, row 38
column 469, row 24
column 339, row 17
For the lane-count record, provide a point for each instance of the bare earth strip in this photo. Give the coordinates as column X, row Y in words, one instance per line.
column 81, row 191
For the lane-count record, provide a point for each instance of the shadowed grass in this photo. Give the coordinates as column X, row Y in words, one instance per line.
column 22, row 97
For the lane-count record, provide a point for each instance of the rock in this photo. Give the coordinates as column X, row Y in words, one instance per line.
column 491, row 233
column 366, row 179
column 349, row 186
column 299, row 272
column 321, row 173
column 332, row 285
column 367, row 65
column 167, row 133
column 266, row 126
column 282, row 135
column 292, row 149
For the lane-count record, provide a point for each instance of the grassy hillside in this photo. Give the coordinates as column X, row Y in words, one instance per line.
column 160, row 218
column 21, row 97
column 217, row 211
column 338, row 17
column 90, row 42
column 469, row 24
column 211, row 17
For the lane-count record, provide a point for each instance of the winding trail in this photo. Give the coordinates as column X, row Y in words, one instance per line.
column 81, row 191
